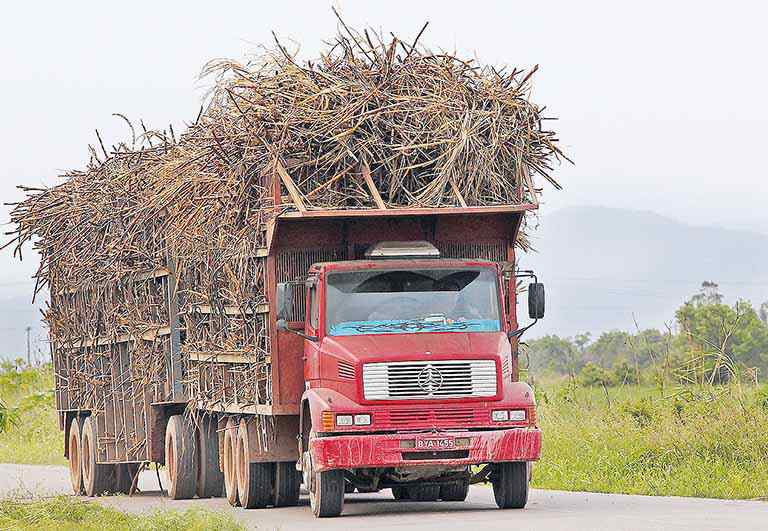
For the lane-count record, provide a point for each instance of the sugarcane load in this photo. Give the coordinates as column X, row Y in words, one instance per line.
column 323, row 261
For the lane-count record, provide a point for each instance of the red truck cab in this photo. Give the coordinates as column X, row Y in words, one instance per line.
column 410, row 378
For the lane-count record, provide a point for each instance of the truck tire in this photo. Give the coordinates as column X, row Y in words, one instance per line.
column 287, row 484
column 210, row 478
column 229, row 462
column 510, row 485
column 424, row 492
column 97, row 478
column 456, row 491
column 254, row 480
column 180, row 458
column 400, row 493
column 75, row 457
column 326, row 498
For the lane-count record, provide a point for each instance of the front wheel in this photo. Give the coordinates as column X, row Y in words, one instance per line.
column 326, row 494
column 326, row 489
column 510, row 485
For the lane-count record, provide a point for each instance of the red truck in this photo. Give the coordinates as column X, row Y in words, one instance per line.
column 392, row 336
column 410, row 362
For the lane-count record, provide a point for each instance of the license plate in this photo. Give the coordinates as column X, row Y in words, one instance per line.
column 444, row 443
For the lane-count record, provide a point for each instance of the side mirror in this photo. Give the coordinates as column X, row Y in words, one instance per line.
column 536, row 300
column 282, row 324
column 284, row 302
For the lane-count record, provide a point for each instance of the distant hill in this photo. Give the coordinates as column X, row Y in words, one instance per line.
column 602, row 265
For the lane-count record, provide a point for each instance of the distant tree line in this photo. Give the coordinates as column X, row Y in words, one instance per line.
column 709, row 342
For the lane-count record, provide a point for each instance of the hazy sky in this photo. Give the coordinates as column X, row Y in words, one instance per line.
column 662, row 105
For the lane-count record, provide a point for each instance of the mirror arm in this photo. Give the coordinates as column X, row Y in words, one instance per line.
column 520, row 331
column 282, row 325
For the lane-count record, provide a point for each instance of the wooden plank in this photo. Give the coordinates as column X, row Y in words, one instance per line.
column 458, row 195
column 256, row 409
column 293, row 190
column 176, row 364
column 148, row 335
column 372, row 187
column 234, row 356
column 377, row 212
column 230, row 310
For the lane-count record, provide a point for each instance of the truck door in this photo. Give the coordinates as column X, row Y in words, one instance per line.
column 312, row 348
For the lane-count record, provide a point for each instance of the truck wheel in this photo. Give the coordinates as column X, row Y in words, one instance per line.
column 400, row 493
column 229, row 462
column 326, row 497
column 456, row 491
column 424, row 492
column 254, row 480
column 349, row 488
column 75, row 458
column 180, row 458
column 510, row 485
column 210, row 478
column 97, row 478
column 287, row 484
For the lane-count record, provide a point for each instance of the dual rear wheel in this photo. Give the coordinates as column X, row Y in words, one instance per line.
column 253, row 484
column 86, row 474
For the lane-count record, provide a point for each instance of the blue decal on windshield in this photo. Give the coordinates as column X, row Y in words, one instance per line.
column 412, row 326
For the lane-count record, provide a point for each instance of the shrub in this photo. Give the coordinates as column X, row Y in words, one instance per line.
column 593, row 376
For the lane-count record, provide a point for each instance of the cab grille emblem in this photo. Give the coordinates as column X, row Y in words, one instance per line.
column 430, row 379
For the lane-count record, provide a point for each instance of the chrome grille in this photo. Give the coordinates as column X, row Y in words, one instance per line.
column 411, row 380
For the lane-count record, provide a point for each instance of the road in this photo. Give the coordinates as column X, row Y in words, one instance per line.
column 546, row 509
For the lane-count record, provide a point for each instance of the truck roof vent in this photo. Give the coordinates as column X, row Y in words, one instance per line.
column 419, row 249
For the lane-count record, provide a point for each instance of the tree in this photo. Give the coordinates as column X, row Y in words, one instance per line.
column 708, row 294
column 763, row 313
column 554, row 353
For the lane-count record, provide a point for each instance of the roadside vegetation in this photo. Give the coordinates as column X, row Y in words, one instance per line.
column 29, row 429
column 678, row 413
column 73, row 514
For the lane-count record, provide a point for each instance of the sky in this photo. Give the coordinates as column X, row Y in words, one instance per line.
column 661, row 105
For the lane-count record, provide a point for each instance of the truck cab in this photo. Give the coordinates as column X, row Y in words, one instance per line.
column 410, row 378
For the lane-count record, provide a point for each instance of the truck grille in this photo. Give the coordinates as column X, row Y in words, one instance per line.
column 412, row 380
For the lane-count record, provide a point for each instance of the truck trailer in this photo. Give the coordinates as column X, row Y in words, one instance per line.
column 316, row 285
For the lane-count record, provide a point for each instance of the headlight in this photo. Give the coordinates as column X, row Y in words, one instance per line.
column 343, row 420
column 362, row 420
column 500, row 415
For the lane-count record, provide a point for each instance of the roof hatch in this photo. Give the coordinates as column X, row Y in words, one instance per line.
column 418, row 249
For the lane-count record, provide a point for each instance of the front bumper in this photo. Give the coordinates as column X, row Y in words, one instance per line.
column 397, row 450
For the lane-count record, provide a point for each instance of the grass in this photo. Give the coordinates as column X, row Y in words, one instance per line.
column 709, row 442
column 32, row 436
column 66, row 513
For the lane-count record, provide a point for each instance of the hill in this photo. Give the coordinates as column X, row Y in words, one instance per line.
column 602, row 266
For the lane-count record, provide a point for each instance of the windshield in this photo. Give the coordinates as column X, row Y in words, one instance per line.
column 411, row 301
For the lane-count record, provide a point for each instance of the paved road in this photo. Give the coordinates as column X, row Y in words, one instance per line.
column 546, row 509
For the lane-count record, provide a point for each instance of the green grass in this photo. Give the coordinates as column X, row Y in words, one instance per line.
column 635, row 441
column 33, row 436
column 708, row 441
column 65, row 513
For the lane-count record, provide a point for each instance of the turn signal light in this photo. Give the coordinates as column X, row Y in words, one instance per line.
column 326, row 420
